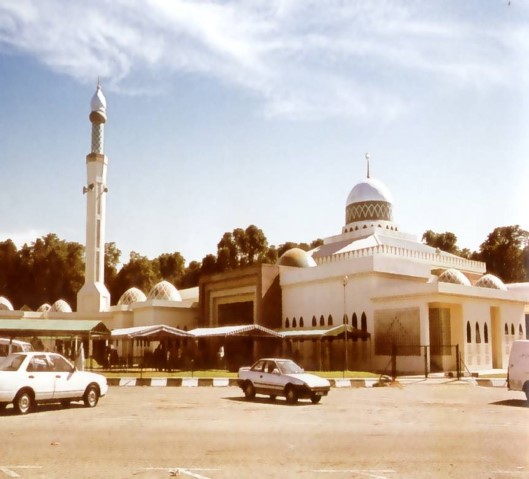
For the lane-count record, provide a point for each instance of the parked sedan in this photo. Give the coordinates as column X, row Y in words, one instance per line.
column 281, row 377
column 37, row 377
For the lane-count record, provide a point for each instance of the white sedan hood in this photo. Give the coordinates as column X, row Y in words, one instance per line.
column 310, row 380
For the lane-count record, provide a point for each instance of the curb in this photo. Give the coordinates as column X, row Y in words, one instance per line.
column 192, row 382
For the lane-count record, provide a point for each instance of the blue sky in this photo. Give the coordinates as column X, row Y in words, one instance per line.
column 224, row 114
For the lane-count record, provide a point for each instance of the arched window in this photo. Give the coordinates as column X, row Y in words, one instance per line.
column 301, row 322
column 329, row 320
column 478, row 333
column 363, row 325
column 294, row 323
column 355, row 321
column 506, row 329
column 314, row 322
column 345, row 319
column 486, row 333
column 512, row 329
column 322, row 320
column 287, row 323
column 469, row 332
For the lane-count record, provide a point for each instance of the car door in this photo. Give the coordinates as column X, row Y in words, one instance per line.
column 257, row 375
column 68, row 383
column 40, row 377
column 271, row 377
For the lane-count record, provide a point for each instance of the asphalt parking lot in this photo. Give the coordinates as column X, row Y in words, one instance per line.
column 413, row 431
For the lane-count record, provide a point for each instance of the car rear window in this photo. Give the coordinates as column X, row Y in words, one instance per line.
column 12, row 363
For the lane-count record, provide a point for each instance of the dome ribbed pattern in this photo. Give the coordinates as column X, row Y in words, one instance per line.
column 491, row 281
column 454, row 276
column 164, row 291
column 60, row 306
column 132, row 295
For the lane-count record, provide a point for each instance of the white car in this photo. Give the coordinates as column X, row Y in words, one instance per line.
column 37, row 377
column 518, row 372
column 15, row 345
column 281, row 377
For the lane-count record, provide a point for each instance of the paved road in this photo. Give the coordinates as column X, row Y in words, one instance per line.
column 435, row 431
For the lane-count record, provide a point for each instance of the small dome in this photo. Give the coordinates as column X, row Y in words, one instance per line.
column 43, row 308
column 5, row 304
column 491, row 281
column 454, row 276
column 296, row 257
column 165, row 291
column 132, row 295
column 370, row 189
column 60, row 306
column 99, row 102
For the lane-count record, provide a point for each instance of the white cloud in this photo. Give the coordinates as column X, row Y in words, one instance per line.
column 22, row 237
column 302, row 58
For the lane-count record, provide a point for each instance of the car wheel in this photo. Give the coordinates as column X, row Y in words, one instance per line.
column 291, row 395
column 526, row 390
column 249, row 391
column 91, row 396
column 23, row 402
column 315, row 398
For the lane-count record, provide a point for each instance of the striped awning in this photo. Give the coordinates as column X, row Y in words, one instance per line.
column 250, row 330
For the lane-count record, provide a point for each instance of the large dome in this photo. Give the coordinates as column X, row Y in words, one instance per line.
column 296, row 257
column 370, row 189
column 369, row 200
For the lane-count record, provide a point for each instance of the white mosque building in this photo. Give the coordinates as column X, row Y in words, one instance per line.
column 376, row 289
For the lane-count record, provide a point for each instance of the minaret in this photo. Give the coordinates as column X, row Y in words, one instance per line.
column 94, row 296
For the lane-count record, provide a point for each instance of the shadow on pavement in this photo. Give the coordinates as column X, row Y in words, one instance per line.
column 42, row 408
column 512, row 403
column 265, row 400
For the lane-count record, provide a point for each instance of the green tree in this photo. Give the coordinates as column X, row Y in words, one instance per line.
column 9, row 267
column 444, row 241
column 170, row 266
column 139, row 272
column 283, row 248
column 191, row 275
column 505, row 251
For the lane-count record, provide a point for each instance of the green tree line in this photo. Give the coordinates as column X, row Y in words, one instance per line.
column 50, row 268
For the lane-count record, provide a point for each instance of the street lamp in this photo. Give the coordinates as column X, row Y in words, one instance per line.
column 344, row 283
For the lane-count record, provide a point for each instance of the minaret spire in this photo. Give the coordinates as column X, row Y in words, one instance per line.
column 94, row 296
column 367, row 160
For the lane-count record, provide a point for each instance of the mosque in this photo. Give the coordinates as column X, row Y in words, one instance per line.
column 367, row 296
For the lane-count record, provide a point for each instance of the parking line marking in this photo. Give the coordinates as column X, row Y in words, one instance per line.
column 372, row 473
column 8, row 470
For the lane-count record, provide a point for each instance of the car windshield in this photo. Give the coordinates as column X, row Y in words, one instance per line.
column 12, row 363
column 289, row 367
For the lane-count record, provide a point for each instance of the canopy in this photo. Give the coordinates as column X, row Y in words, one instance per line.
column 334, row 332
column 253, row 330
column 155, row 332
column 53, row 327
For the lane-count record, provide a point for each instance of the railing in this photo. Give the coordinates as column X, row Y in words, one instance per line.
column 431, row 258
